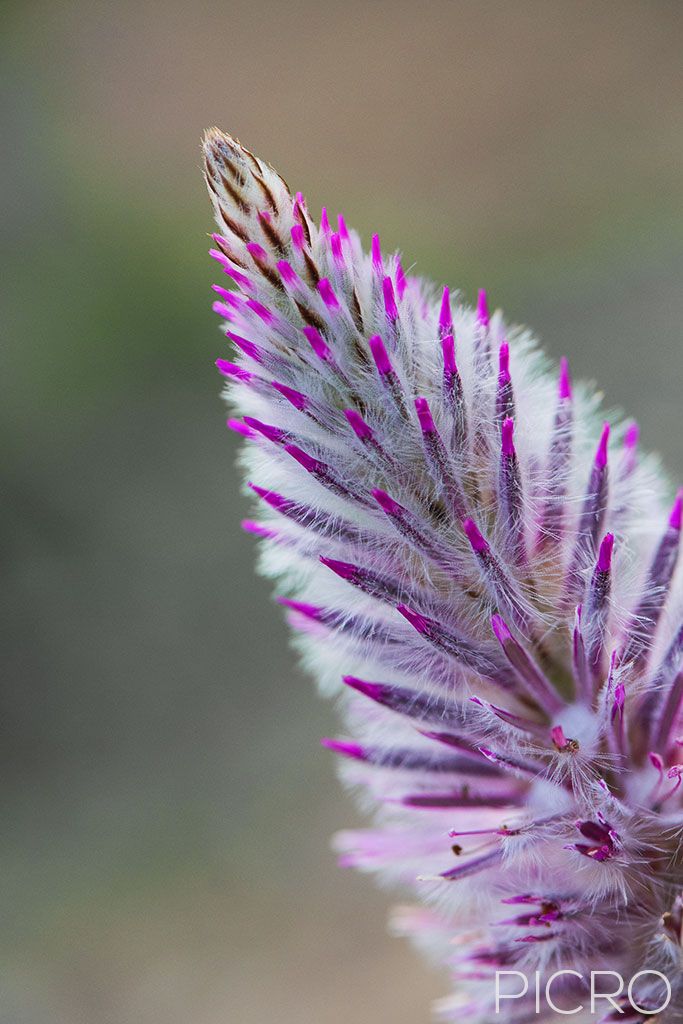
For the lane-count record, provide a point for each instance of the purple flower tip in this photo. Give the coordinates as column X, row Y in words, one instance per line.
column 605, row 555
column 401, row 282
column 347, row 749
column 565, row 385
column 677, row 512
column 424, row 415
column 414, row 618
column 335, row 242
column 287, row 273
column 448, row 349
column 474, row 536
column 501, row 631
column 445, row 316
column 483, row 308
column 386, row 503
column 327, row 294
column 257, row 251
column 343, row 230
column 317, row 342
column 358, row 424
column 601, row 453
column 390, row 307
column 324, row 221
column 379, row 354
column 507, row 433
column 239, row 427
column 631, row 437
column 298, row 238
column 229, row 369
column 347, row 570
column 271, row 498
column 267, row 429
column 258, row 529
column 297, row 399
column 504, row 362
column 248, row 347
column 377, row 253
column 311, row 611
column 303, row 458
column 372, row 690
column 262, row 311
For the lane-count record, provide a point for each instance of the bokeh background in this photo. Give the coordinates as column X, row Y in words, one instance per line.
column 166, row 805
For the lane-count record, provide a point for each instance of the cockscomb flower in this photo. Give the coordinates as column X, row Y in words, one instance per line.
column 485, row 570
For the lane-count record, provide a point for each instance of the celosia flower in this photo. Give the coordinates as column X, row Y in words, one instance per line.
column 486, row 572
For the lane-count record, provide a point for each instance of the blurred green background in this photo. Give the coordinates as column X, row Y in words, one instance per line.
column 167, row 808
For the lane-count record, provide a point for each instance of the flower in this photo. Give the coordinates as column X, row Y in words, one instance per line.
column 487, row 574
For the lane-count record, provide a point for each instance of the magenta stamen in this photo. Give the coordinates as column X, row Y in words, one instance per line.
column 479, row 545
column 327, row 294
column 507, row 442
column 324, row 222
column 389, row 301
column 483, row 309
column 445, row 315
column 379, row 354
column 343, row 230
column 564, row 389
column 605, row 555
column 558, row 737
column 601, row 453
column 424, row 415
column 358, row 424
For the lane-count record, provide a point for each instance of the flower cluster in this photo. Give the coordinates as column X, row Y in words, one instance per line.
column 486, row 573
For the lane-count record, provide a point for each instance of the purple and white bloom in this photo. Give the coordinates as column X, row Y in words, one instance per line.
column 485, row 569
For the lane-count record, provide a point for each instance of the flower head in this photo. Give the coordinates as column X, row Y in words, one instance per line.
column 487, row 572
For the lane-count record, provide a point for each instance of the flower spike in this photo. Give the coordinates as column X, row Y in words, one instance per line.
column 493, row 582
